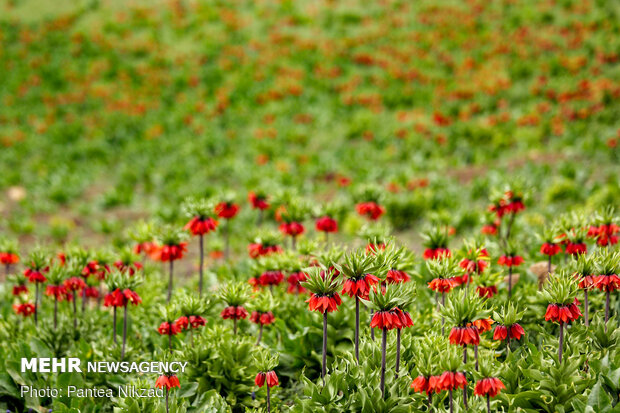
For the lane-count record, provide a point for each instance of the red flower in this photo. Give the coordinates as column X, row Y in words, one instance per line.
column 483, row 325
column 144, row 247
column 326, row 224
column 463, row 336
column 182, row 322
column 421, row 384
column 503, row 332
column 294, row 281
column 168, row 382
column 90, row 269
column 450, row 380
column 510, row 261
column 605, row 234
column 201, row 226
column 75, row 284
column 576, row 248
column 258, row 201
column 433, row 253
column 324, row 303
column 131, row 297
column 114, row 299
column 608, row 282
column 168, row 329
column 226, row 210
column 489, row 229
column 397, row 276
column 562, row 313
column 259, row 250
column 488, row 292
column 57, row 291
column 259, row 380
column 588, row 281
column 271, row 278
column 359, row 287
column 441, row 285
column 550, row 249
column 272, row 379
column 235, row 313
column 130, row 268
column 395, row 318
column 262, row 318
column 25, row 309
column 172, row 252
column 370, row 210
column 8, row 258
column 197, row 321
column 489, row 386
column 471, row 266
column 18, row 289
column 292, row 228
column 35, row 276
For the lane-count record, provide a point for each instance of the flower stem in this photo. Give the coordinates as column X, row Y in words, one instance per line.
column 324, row 367
column 83, row 299
column 357, row 329
column 586, row 305
column 75, row 311
column 430, row 400
column 397, row 351
column 293, row 242
column 443, row 319
column 383, row 348
column 202, row 260
column 561, row 341
column 510, row 282
column 606, row 308
column 260, row 334
column 170, row 280
column 167, row 406
column 36, row 304
column 125, row 333
column 170, row 343
column 476, row 356
column 451, row 401
column 372, row 330
column 114, row 325
column 226, row 240
column 234, row 326
column 268, row 400
column 55, row 312
column 488, row 403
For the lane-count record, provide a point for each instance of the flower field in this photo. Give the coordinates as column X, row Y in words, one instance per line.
column 310, row 206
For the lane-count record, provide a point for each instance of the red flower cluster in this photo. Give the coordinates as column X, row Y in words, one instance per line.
column 35, row 276
column 562, row 313
column 472, row 267
column 449, row 380
column 172, row 252
column 59, row 292
column 168, row 382
column 292, row 229
column 8, row 258
column 441, row 285
column 509, row 204
column 129, row 268
column 201, row 226
column 118, row 298
column 25, row 309
column 194, row 321
column 510, row 261
column 18, row 289
column 294, row 281
column 397, row 276
column 74, row 284
column 262, row 318
column 270, row 377
column 359, row 287
column 487, row 292
column 422, row 384
column 168, row 329
column 433, row 253
column 259, row 250
column 271, row 278
column 588, row 281
column 489, row 229
column 234, row 313
column 371, row 210
column 503, row 332
column 605, row 234
column 144, row 247
column 463, row 336
column 226, row 210
column 91, row 292
column 326, row 224
column 608, row 282
column 550, row 249
column 395, row 318
column 323, row 303
column 91, row 268
column 483, row 325
column 488, row 386
column 576, row 248
column 258, row 201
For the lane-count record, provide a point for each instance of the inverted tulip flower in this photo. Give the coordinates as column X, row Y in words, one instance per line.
column 264, row 244
column 19, row 282
column 169, row 327
column 388, row 303
column 263, row 305
column 173, row 247
column 510, row 259
column 291, row 217
column 127, row 261
column 607, row 280
column 258, row 200
column 56, row 289
column 226, row 210
column 324, row 298
column 606, row 230
column 474, row 261
column 200, row 223
column 442, row 271
column 192, row 310
column 488, row 385
column 584, row 270
column 235, row 295
column 487, row 284
column 265, row 363
column 402, row 264
column 575, row 240
column 436, row 243
column 426, row 361
column 451, row 379
column 122, row 293
column 24, row 309
column 167, row 381
column 508, row 327
column 368, row 199
column 550, row 245
column 36, row 268
column 8, row 254
column 358, row 270
column 561, row 294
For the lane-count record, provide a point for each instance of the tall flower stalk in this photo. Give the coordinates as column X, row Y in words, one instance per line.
column 263, row 305
column 56, row 289
column 172, row 248
column 323, row 285
column 584, row 270
column 226, row 210
column 510, row 259
column 9, row 254
column 607, row 280
column 201, row 223
column 235, row 295
column 443, row 270
column 265, row 363
column 36, row 268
